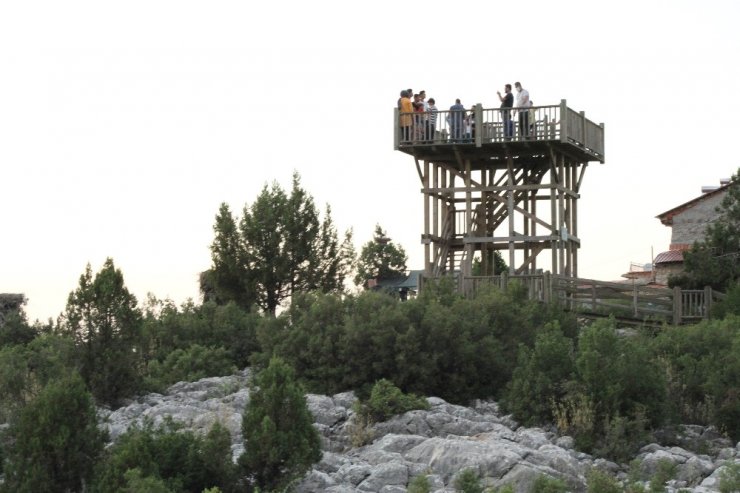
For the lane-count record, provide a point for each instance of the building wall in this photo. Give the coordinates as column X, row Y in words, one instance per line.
column 689, row 226
column 663, row 271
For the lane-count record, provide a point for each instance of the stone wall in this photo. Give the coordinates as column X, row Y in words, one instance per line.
column 689, row 226
column 664, row 270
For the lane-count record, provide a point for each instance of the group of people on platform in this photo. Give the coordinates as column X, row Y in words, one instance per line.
column 418, row 116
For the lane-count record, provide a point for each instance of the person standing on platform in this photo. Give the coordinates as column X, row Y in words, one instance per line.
column 405, row 117
column 507, row 101
column 522, row 104
column 457, row 115
column 432, row 120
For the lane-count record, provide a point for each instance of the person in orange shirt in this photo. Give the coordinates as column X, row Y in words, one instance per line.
column 407, row 108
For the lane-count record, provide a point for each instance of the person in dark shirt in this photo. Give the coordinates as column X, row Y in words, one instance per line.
column 456, row 120
column 507, row 101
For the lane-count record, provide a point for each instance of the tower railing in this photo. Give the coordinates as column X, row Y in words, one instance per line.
column 478, row 126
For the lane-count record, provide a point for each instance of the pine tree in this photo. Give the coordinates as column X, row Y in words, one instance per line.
column 228, row 278
column 279, row 248
column 103, row 317
column 55, row 440
column 281, row 442
column 380, row 259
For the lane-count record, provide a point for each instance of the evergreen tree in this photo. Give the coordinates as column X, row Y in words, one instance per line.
column 278, row 249
column 380, row 259
column 103, row 319
column 281, row 442
column 228, row 279
column 715, row 261
column 55, row 441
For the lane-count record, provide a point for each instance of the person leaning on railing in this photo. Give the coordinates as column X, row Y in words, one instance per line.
column 405, row 116
column 507, row 101
column 431, row 120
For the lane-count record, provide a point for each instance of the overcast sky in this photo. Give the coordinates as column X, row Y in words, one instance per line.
column 124, row 125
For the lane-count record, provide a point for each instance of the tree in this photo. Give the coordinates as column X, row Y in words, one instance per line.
column 103, row 318
column 167, row 458
column 380, row 259
column 715, row 261
column 281, row 442
column 540, row 376
column 227, row 280
column 495, row 264
column 278, row 249
column 55, row 440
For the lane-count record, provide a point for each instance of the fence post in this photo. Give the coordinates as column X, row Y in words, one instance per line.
column 583, row 129
column 677, row 305
column 546, row 286
column 634, row 297
column 396, row 129
column 504, row 280
column 478, row 119
column 707, row 302
column 563, row 121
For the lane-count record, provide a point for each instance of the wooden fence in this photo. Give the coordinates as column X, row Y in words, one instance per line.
column 589, row 297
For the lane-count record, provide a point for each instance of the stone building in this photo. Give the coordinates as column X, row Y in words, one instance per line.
column 688, row 223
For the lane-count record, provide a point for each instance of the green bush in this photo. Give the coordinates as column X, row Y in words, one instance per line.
column 729, row 479
column 601, row 482
column 702, row 362
column 136, row 483
column 280, row 439
column 387, row 400
column 546, row 484
column 168, row 457
column 540, row 376
column 420, row 484
column 54, row 441
column 190, row 364
column 468, row 482
column 666, row 470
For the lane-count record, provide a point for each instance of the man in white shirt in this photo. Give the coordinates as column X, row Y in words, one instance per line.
column 523, row 104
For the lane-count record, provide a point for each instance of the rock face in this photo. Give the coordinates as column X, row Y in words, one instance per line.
column 439, row 443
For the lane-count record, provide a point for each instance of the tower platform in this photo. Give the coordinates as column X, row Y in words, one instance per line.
column 483, row 174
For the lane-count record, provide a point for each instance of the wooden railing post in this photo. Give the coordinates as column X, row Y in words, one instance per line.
column 634, row 298
column 478, row 119
column 677, row 305
column 583, row 128
column 707, row 302
column 547, row 286
column 396, row 129
column 563, row 121
column 504, row 280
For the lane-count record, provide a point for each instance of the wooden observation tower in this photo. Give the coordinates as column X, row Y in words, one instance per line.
column 493, row 183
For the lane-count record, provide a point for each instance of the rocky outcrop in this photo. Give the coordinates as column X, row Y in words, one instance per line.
column 439, row 442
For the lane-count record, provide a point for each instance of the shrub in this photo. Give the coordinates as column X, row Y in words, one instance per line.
column 666, row 470
column 169, row 457
column 468, row 482
column 191, row 364
column 420, row 484
column 540, row 376
column 729, row 478
column 280, row 439
column 546, row 484
column 601, row 482
column 387, row 400
column 54, row 440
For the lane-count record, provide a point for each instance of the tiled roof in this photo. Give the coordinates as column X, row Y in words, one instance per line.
column 670, row 256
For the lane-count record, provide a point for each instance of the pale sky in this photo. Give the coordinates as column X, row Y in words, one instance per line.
column 124, row 125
